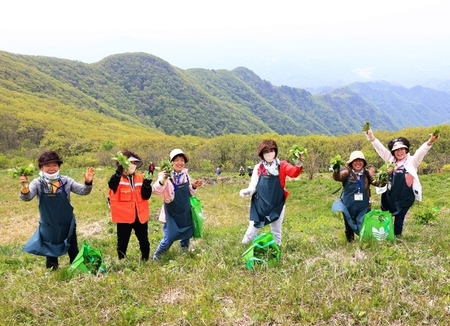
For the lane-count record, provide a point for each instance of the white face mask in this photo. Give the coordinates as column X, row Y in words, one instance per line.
column 269, row 157
column 131, row 169
column 51, row 176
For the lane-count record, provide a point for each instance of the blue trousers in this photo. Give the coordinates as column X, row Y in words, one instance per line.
column 398, row 222
column 165, row 244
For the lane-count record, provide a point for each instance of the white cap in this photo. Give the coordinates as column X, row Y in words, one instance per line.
column 176, row 152
column 397, row 145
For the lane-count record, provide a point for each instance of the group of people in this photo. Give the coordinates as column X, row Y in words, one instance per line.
column 399, row 194
column 128, row 197
column 129, row 193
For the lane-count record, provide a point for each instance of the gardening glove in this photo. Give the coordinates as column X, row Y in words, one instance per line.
column 336, row 168
column 147, row 183
column 162, row 176
column 245, row 192
column 299, row 161
column 369, row 135
column 119, row 170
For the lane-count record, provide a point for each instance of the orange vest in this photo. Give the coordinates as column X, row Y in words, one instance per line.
column 125, row 202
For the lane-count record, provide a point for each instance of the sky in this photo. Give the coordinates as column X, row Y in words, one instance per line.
column 295, row 43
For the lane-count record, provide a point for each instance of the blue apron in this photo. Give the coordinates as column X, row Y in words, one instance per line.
column 353, row 210
column 268, row 201
column 178, row 215
column 56, row 226
column 399, row 198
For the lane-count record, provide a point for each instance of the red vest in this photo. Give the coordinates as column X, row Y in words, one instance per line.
column 125, row 202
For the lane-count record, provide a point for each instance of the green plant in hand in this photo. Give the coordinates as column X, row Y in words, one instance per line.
column 366, row 126
column 166, row 165
column 147, row 175
column 296, row 151
column 436, row 132
column 122, row 159
column 382, row 176
column 27, row 170
column 336, row 163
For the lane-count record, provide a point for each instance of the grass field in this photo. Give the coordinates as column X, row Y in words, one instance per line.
column 320, row 280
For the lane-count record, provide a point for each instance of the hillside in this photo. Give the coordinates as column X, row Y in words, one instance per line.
column 29, row 122
column 147, row 91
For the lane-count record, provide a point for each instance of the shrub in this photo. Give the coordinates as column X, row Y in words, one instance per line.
column 4, row 162
column 446, row 168
column 424, row 213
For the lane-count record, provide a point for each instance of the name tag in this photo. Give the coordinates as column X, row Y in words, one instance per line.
column 358, row 197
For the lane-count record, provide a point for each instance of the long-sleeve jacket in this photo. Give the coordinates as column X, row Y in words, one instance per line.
column 347, row 172
column 286, row 170
column 167, row 191
column 411, row 163
column 68, row 185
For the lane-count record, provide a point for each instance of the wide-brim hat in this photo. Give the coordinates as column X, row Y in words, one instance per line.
column 177, row 152
column 357, row 155
column 398, row 144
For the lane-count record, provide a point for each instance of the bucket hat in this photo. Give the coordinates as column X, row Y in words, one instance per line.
column 355, row 155
column 177, row 152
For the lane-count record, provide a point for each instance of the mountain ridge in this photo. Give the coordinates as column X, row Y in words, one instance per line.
column 146, row 90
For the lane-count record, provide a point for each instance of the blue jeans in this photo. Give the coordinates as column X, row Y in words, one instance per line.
column 165, row 244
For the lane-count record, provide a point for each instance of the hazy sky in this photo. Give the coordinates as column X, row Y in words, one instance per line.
column 285, row 42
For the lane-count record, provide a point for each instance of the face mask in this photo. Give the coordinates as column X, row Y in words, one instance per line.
column 51, row 176
column 131, row 169
column 269, row 157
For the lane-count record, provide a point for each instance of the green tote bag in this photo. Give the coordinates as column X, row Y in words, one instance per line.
column 197, row 216
column 377, row 226
column 88, row 260
column 263, row 250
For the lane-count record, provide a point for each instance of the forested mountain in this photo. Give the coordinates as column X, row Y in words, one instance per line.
column 148, row 92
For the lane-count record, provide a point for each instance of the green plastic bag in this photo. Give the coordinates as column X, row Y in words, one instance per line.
column 197, row 216
column 263, row 250
column 378, row 226
column 88, row 260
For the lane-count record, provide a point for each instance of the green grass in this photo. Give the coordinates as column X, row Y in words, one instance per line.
column 321, row 280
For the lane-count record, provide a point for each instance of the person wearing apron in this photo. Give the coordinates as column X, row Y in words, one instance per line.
column 175, row 186
column 354, row 202
column 404, row 186
column 267, row 188
column 56, row 233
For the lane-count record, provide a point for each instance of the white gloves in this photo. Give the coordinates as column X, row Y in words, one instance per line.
column 162, row 176
column 246, row 192
column 369, row 135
